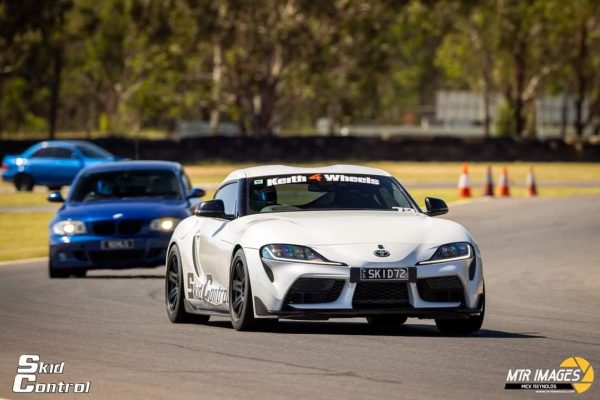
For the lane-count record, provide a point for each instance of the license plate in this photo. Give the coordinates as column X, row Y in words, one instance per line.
column 384, row 274
column 117, row 244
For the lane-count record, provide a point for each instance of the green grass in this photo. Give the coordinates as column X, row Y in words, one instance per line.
column 436, row 171
column 24, row 235
column 143, row 134
column 451, row 195
column 20, row 199
column 410, row 173
column 414, row 173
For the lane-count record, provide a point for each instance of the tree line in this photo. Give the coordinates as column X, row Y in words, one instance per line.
column 125, row 65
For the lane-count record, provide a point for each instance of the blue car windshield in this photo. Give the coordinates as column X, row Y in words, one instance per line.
column 93, row 151
column 325, row 192
column 126, row 185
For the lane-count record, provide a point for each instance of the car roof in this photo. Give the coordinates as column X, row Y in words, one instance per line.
column 268, row 170
column 66, row 143
column 133, row 166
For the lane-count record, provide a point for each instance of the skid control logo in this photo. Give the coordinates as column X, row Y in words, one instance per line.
column 574, row 375
column 31, row 368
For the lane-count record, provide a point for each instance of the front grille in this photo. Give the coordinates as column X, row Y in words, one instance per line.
column 125, row 227
column 447, row 288
column 380, row 295
column 116, row 257
column 129, row 227
column 104, row 228
column 313, row 291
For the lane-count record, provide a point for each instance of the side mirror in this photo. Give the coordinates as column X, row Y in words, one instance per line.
column 55, row 197
column 435, row 206
column 196, row 193
column 212, row 209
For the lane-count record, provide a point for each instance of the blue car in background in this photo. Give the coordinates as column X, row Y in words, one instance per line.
column 52, row 163
column 119, row 215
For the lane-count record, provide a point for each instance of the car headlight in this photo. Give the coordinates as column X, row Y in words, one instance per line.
column 294, row 253
column 450, row 252
column 164, row 224
column 69, row 227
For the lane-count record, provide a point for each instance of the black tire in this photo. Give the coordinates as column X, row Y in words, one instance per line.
column 382, row 321
column 23, row 182
column 78, row 273
column 241, row 306
column 174, row 291
column 460, row 327
column 56, row 273
column 53, row 188
column 64, row 272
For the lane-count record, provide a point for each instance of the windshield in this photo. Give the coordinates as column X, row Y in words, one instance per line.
column 93, row 151
column 125, row 185
column 325, row 192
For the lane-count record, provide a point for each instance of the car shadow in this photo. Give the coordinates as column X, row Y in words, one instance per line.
column 362, row 328
column 137, row 276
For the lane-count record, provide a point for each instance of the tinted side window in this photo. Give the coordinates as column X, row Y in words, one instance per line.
column 60, row 152
column 53, row 152
column 92, row 152
column 44, row 152
column 186, row 182
column 229, row 195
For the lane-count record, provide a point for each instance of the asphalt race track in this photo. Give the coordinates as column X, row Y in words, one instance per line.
column 542, row 271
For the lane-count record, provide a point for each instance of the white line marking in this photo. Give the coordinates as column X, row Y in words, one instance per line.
column 22, row 261
column 470, row 201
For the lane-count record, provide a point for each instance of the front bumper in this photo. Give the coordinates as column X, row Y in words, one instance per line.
column 423, row 297
column 8, row 176
column 86, row 252
column 410, row 312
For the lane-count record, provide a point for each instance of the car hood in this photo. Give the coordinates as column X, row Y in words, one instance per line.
column 339, row 235
column 9, row 159
column 130, row 209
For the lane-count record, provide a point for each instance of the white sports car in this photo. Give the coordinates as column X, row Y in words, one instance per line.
column 314, row 243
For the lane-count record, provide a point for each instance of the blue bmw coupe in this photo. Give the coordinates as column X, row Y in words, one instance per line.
column 118, row 215
column 52, row 163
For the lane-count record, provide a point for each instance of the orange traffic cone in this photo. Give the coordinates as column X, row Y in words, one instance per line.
column 503, row 190
column 464, row 186
column 488, row 189
column 531, row 185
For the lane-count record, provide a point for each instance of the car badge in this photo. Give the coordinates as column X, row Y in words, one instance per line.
column 381, row 252
column 117, row 216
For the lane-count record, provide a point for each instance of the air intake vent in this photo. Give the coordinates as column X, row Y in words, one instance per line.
column 314, row 291
column 447, row 288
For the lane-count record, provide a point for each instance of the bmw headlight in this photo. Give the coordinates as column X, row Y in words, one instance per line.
column 164, row 224
column 69, row 227
column 293, row 253
column 450, row 252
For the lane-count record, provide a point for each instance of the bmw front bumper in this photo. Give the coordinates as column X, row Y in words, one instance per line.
column 87, row 252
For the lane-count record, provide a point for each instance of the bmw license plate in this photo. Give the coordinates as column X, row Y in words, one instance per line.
column 117, row 244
